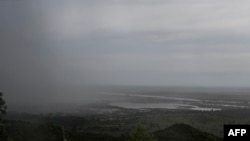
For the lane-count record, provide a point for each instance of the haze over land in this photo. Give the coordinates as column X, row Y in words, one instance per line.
column 53, row 51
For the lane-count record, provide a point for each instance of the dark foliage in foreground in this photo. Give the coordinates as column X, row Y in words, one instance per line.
column 183, row 132
column 78, row 136
column 25, row 131
column 3, row 106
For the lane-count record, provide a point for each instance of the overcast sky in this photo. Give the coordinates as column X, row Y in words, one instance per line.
column 53, row 45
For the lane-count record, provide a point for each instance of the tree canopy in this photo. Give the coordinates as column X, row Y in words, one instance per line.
column 3, row 106
column 141, row 133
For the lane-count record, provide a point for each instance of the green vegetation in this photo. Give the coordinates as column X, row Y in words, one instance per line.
column 183, row 132
column 155, row 125
column 3, row 106
column 141, row 133
column 82, row 136
column 25, row 131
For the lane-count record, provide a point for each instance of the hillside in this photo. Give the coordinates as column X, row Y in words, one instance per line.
column 25, row 131
column 183, row 132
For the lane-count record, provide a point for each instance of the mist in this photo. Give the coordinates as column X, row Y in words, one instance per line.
column 61, row 51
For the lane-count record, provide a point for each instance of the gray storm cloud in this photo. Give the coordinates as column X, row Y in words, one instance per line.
column 55, row 48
